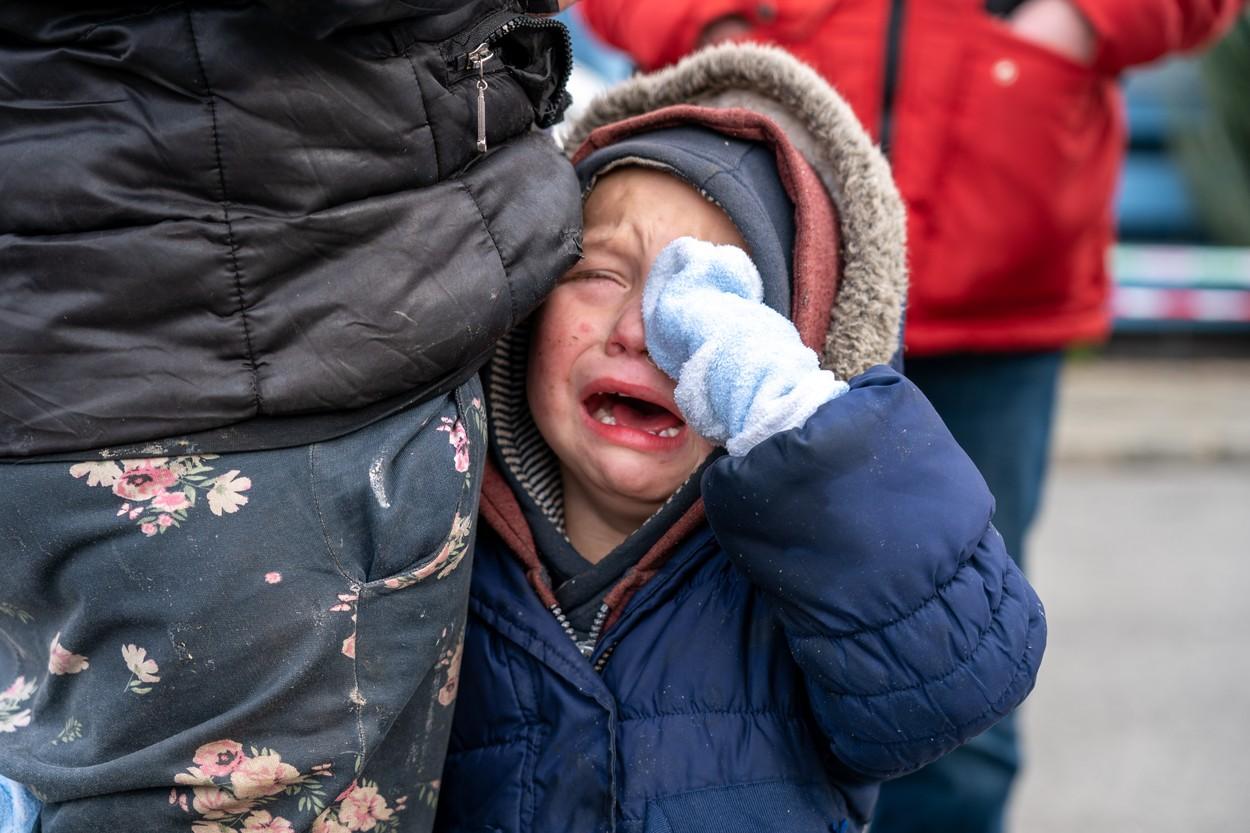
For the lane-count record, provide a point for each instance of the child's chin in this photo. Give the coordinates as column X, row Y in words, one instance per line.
column 642, row 482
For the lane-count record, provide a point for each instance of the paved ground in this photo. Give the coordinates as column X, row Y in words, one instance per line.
column 1141, row 717
column 1148, row 410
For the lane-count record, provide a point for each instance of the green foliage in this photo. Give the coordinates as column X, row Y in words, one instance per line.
column 1215, row 155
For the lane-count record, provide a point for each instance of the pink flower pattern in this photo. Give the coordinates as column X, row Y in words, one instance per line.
column 451, row 661
column 221, row 757
column 160, row 492
column 364, row 808
column 12, row 715
column 62, row 661
column 459, row 439
column 171, row 501
column 179, row 800
column 216, row 803
column 142, row 669
column 236, row 791
column 360, row 807
column 263, row 775
column 328, row 822
column 347, row 604
column 144, row 479
column 264, row 822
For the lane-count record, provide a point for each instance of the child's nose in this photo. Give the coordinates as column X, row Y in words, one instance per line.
column 628, row 335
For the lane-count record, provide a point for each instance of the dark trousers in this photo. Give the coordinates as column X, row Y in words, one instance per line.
column 249, row 640
column 1000, row 409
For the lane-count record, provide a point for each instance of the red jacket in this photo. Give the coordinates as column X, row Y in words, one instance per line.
column 1006, row 152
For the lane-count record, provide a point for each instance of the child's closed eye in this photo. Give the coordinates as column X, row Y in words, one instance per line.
column 592, row 275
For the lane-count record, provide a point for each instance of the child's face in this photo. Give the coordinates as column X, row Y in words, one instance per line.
column 600, row 403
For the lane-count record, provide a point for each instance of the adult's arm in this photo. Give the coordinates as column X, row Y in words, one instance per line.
column 868, row 528
column 1132, row 32
column 660, row 32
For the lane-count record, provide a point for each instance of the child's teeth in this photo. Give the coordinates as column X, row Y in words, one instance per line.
column 605, row 416
column 670, row 432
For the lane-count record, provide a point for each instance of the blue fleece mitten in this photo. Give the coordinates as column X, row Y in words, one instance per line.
column 19, row 810
column 743, row 374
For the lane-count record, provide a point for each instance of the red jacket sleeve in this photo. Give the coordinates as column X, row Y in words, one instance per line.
column 1138, row 31
column 322, row 18
column 660, row 32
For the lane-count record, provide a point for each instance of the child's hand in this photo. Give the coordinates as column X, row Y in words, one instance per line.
column 743, row 374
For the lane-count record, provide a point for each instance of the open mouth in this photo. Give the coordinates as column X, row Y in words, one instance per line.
column 618, row 409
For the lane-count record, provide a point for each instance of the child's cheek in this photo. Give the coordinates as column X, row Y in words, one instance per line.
column 578, row 334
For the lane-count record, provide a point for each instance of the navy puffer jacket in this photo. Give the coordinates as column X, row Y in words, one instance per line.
column 835, row 610
column 847, row 615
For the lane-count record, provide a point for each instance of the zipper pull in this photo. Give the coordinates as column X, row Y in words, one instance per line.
column 478, row 58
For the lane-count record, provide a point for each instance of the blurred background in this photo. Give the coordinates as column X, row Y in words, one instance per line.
column 1141, row 715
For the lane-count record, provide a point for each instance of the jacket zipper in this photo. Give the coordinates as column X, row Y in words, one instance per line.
column 893, row 46
column 605, row 656
column 609, row 647
column 585, row 646
column 477, row 58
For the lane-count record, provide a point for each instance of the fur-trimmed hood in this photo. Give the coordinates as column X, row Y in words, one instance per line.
column 872, row 221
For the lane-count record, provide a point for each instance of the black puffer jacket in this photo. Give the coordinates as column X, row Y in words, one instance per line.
column 240, row 225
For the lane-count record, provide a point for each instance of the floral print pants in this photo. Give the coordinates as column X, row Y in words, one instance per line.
column 260, row 641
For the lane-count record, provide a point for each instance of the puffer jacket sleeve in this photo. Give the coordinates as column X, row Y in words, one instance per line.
column 660, row 32
column 869, row 530
column 1132, row 32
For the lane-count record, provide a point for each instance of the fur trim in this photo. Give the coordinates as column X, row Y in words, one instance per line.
column 873, row 223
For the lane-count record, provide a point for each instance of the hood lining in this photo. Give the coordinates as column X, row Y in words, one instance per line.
column 524, row 454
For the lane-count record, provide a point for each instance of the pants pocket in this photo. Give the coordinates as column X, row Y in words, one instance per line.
column 396, row 499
